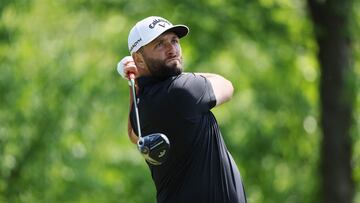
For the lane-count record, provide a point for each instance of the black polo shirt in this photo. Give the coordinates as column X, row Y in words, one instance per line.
column 199, row 168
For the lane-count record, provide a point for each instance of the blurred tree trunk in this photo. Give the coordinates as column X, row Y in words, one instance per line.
column 331, row 25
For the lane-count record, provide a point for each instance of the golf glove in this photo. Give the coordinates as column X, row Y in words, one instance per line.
column 121, row 64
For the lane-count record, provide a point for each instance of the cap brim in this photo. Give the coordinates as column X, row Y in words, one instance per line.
column 179, row 30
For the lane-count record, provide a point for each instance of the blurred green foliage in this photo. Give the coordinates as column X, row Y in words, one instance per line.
column 63, row 107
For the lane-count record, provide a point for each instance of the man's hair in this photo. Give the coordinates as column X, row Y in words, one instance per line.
column 140, row 50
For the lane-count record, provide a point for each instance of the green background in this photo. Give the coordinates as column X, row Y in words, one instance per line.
column 63, row 106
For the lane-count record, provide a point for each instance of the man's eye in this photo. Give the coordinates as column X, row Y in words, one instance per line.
column 159, row 44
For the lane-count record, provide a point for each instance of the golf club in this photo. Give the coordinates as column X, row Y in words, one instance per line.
column 154, row 147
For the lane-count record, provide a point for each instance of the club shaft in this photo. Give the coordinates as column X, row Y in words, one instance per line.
column 132, row 82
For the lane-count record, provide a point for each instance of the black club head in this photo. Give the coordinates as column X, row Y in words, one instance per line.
column 155, row 148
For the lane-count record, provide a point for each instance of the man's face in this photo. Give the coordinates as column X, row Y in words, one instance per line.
column 163, row 56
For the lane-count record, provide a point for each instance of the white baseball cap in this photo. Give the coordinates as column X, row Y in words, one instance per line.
column 150, row 28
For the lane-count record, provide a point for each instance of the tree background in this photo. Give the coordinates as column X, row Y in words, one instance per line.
column 63, row 107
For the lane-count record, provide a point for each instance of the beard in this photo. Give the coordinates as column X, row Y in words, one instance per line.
column 160, row 70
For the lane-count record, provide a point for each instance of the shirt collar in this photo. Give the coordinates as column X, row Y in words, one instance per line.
column 150, row 80
column 146, row 81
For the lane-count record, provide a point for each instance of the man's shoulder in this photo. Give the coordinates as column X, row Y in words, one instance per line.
column 184, row 76
column 188, row 84
column 180, row 84
column 183, row 80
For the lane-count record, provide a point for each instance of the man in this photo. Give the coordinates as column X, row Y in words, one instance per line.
column 199, row 168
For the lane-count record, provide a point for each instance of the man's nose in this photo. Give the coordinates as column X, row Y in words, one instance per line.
column 171, row 48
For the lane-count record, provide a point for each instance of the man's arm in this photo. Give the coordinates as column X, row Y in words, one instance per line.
column 125, row 67
column 133, row 138
column 223, row 88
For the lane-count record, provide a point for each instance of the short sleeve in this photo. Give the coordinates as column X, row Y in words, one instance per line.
column 192, row 93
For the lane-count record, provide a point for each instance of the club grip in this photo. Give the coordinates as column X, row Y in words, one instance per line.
column 131, row 76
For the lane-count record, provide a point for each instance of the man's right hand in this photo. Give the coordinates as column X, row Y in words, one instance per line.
column 127, row 66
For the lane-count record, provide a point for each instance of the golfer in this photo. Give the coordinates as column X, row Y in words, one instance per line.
column 199, row 168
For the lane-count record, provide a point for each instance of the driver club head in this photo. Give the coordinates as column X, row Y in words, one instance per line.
column 154, row 147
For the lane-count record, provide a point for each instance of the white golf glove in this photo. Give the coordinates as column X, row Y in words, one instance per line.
column 121, row 65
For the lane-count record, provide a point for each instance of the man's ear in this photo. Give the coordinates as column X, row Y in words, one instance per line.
column 139, row 60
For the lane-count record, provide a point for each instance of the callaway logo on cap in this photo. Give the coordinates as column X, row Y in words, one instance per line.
column 150, row 28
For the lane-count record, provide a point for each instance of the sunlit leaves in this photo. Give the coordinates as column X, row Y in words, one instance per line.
column 63, row 107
